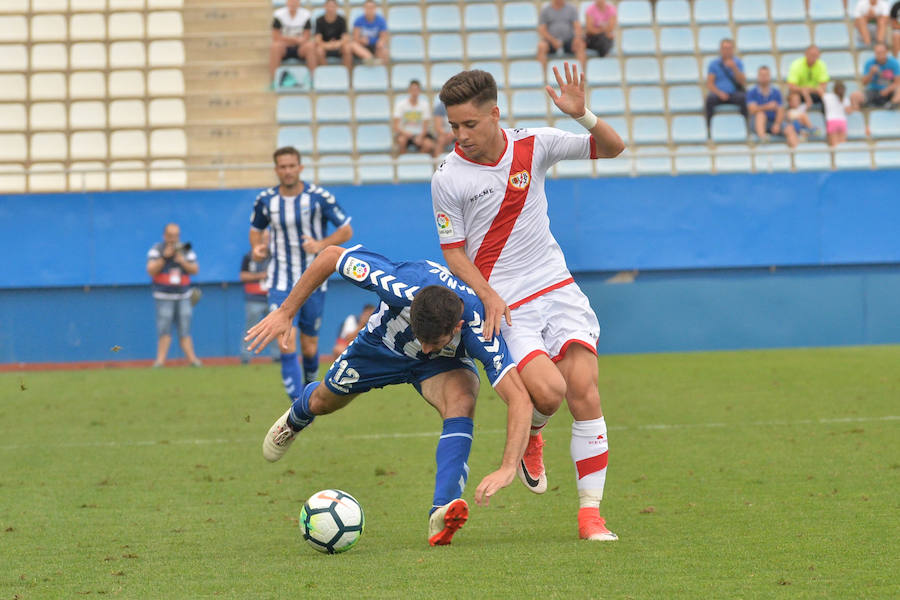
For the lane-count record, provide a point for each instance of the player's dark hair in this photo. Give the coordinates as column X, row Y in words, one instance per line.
column 475, row 85
column 284, row 151
column 434, row 313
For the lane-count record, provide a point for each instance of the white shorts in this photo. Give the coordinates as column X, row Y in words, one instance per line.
column 882, row 8
column 549, row 324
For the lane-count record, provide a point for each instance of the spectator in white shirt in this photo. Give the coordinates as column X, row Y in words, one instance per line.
column 412, row 117
column 291, row 36
column 872, row 10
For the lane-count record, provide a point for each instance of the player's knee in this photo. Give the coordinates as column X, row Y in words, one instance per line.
column 547, row 394
column 459, row 405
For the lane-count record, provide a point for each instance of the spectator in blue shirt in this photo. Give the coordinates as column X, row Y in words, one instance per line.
column 370, row 35
column 725, row 81
column 765, row 104
column 881, row 76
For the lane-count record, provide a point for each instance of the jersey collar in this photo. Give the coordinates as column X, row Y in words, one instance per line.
column 459, row 151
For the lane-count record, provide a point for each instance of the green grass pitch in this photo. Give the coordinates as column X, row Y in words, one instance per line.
column 770, row 474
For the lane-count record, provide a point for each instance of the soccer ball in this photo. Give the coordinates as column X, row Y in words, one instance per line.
column 332, row 521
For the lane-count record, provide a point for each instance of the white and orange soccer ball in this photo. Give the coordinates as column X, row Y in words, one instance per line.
column 332, row 521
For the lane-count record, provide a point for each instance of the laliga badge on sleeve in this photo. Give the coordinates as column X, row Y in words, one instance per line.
column 445, row 227
column 356, row 269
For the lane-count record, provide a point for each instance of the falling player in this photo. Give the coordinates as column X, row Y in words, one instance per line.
column 491, row 213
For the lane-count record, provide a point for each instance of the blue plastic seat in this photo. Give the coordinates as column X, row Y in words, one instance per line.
column 699, row 160
column 495, row 68
column 574, row 168
column 298, row 136
column 445, row 46
column 607, row 100
column 646, row 99
column 884, row 124
column 525, row 74
column 812, row 161
column 826, row 10
column 840, row 65
column 603, row 71
column 443, row 17
column 685, row 99
column 441, row 72
column 484, row 46
column 621, row 166
column 673, row 12
column 332, row 109
column 755, row 38
column 373, row 138
column 403, row 73
column 634, row 13
column 482, row 17
column 784, row 66
column 334, row 139
column 414, row 167
column 407, row 48
column 331, row 78
column 529, row 103
column 688, row 129
column 650, row 130
column 293, row 109
column 638, row 41
column 749, row 11
column 832, row 36
column 728, row 128
column 710, row 12
column 370, row 79
column 732, row 159
column 853, row 156
column 405, row 19
column 335, row 169
column 520, row 15
column 792, row 37
column 710, row 36
column 375, row 168
column 786, row 11
column 653, row 160
column 676, row 40
column 770, row 158
column 680, row 69
column 642, row 70
column 521, row 44
column 372, row 107
column 752, row 63
column 300, row 75
column 887, row 158
column 856, row 126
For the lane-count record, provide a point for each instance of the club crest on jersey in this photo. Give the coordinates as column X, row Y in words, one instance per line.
column 520, row 180
column 445, row 227
column 356, row 269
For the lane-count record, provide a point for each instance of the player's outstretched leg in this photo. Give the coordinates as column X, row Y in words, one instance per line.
column 452, row 457
column 445, row 521
column 286, row 428
column 531, row 468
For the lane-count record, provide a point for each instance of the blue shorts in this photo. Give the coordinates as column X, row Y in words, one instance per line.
column 173, row 311
column 367, row 364
column 309, row 317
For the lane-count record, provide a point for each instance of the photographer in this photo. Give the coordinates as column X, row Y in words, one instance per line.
column 170, row 264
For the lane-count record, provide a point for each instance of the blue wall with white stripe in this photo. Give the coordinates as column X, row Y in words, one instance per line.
column 73, row 283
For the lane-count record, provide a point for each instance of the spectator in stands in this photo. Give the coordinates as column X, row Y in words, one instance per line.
column 170, row 264
column 412, row 116
column 797, row 116
column 868, row 11
column 600, row 24
column 881, row 76
column 764, row 104
column 837, row 107
column 351, row 326
column 332, row 38
column 808, row 76
column 291, row 28
column 444, row 140
column 560, row 32
column 895, row 26
column 256, row 306
column 725, row 81
column 370, row 35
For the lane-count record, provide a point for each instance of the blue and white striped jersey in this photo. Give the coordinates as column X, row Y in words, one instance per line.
column 290, row 219
column 396, row 285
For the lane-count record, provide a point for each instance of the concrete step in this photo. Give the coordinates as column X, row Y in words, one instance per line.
column 246, row 177
column 222, row 77
column 223, row 18
column 232, row 140
column 227, row 48
column 229, row 106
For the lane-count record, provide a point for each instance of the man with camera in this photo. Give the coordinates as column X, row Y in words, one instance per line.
column 170, row 264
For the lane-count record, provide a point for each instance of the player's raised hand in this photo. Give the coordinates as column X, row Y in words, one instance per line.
column 492, row 483
column 571, row 91
column 495, row 310
column 276, row 324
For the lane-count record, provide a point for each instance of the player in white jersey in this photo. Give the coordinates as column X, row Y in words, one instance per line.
column 491, row 215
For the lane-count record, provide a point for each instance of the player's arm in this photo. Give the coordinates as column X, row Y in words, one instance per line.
column 495, row 308
column 571, row 101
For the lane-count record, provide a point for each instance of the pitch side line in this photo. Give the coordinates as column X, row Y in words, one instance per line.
column 391, row 436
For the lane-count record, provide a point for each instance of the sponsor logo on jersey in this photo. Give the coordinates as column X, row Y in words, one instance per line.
column 356, row 269
column 481, row 194
column 520, row 180
column 445, row 227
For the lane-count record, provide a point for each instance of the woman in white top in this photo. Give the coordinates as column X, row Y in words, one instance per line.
column 837, row 106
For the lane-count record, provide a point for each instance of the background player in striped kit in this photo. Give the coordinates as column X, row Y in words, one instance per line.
column 297, row 215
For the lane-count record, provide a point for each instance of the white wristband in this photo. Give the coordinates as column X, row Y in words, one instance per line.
column 587, row 120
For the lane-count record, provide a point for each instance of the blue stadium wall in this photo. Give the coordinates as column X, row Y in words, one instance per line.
column 722, row 262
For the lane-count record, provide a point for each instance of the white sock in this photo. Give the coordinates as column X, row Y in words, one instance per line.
column 590, row 449
column 538, row 420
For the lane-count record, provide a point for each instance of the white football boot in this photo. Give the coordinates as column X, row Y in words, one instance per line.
column 279, row 439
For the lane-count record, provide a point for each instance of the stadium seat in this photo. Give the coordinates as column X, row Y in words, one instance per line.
column 620, row 125
column 607, row 100
column 687, row 163
column 402, row 74
column 128, row 143
column 685, row 99
column 680, row 69
column 125, row 25
column 650, row 130
column 621, row 166
column 826, row 10
column 407, row 48
column 818, row 122
column 331, row 78
column 12, row 117
column 414, row 167
column 441, row 72
column 728, row 128
column 710, row 36
column 688, row 129
column 495, row 68
column 673, row 12
column 852, row 155
column 127, row 113
column 87, row 144
column 300, row 75
column 14, row 28
column 710, row 12
column 638, row 41
column 856, row 126
column 88, row 114
column 166, row 53
column 173, row 142
column 443, row 18
column 840, row 65
column 404, row 19
column 525, row 74
column 574, row 168
column 752, row 63
column 371, row 78
column 634, row 13
column 330, row 109
column 675, row 40
column 335, row 169
column 127, row 175
column 375, row 173
column 373, row 138
column 884, row 124
column 42, row 116
column 770, row 158
column 484, row 46
column 372, row 107
column 47, row 177
column 785, row 63
column 165, row 82
column 529, row 103
column 732, row 159
column 13, row 57
column 787, row 11
column 642, row 70
column 297, row 109
column 334, row 139
column 49, row 57
column 445, row 46
column 749, row 11
column 297, row 136
column 885, row 158
column 13, row 86
column 755, row 38
column 87, row 175
column 603, row 71
column 482, row 17
column 166, row 112
column 646, row 99
column 832, row 36
column 520, row 15
column 521, row 44
column 648, row 164
column 43, row 146
column 792, row 37
column 122, row 84
column 812, row 161
column 47, row 86
column 164, row 24
column 44, row 28
column 123, row 55
column 168, row 174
